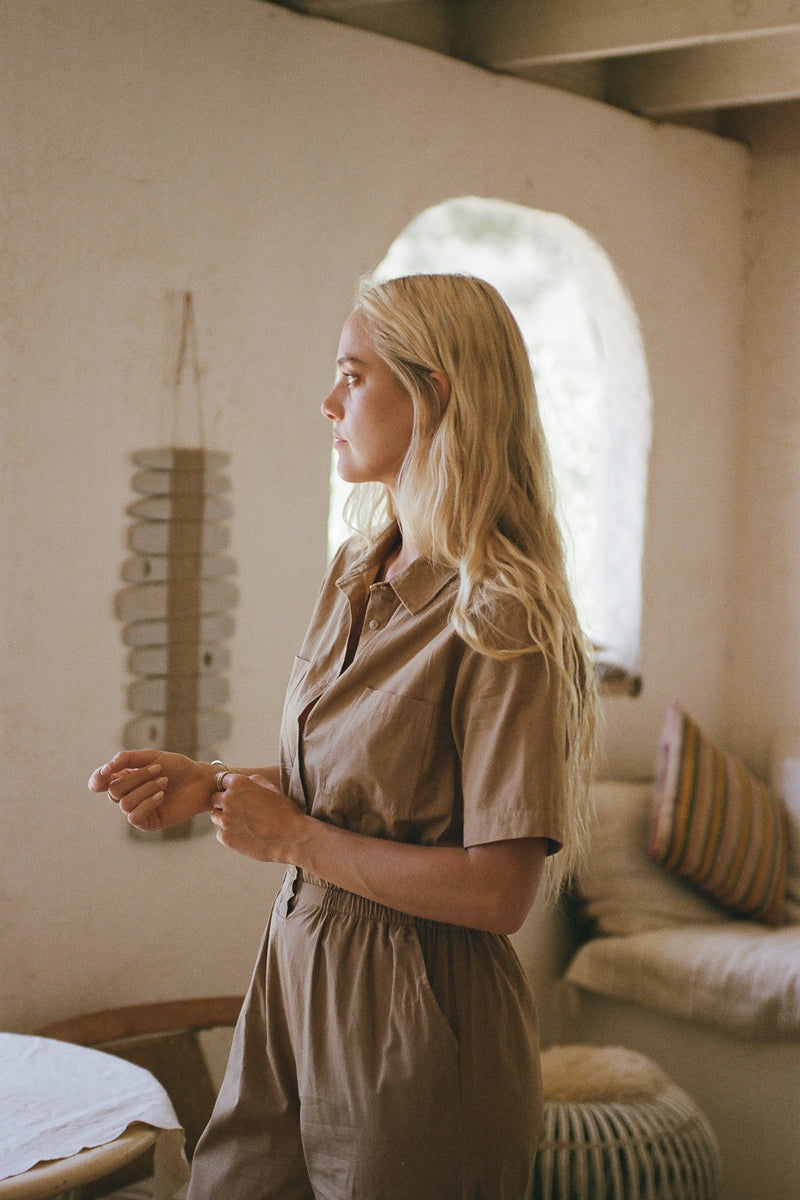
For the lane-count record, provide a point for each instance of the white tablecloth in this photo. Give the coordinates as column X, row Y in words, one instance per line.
column 57, row 1099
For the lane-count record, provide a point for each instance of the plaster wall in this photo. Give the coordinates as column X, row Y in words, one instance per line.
column 264, row 161
column 764, row 691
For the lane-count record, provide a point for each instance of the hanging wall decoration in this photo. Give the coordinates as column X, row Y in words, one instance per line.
column 177, row 606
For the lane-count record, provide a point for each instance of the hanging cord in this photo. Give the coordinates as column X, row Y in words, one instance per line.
column 187, row 344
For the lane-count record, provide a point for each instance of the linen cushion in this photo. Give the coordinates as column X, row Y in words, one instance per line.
column 739, row 976
column 619, row 889
column 716, row 825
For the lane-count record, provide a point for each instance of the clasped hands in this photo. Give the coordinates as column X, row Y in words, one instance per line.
column 159, row 789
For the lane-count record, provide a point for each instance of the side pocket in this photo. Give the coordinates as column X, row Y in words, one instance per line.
column 436, row 992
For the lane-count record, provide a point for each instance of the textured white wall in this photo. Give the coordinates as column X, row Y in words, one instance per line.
column 265, row 160
column 764, row 688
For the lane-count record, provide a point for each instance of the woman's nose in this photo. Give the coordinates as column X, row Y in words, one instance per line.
column 332, row 405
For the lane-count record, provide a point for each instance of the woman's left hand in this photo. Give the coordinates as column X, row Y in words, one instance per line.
column 254, row 818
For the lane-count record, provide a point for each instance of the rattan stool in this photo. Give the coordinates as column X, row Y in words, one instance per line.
column 616, row 1128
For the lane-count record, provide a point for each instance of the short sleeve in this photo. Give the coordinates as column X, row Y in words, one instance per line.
column 512, row 751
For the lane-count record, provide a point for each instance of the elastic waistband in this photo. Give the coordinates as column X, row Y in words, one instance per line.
column 303, row 891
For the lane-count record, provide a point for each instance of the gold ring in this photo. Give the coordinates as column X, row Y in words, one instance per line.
column 219, row 786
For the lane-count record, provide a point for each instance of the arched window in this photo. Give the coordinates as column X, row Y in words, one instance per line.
column 591, row 378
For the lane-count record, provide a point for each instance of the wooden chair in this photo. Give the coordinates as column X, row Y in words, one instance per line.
column 167, row 1039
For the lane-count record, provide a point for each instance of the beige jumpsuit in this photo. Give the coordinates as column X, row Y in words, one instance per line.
column 381, row 1056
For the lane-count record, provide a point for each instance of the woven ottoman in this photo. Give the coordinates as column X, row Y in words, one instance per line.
column 617, row 1128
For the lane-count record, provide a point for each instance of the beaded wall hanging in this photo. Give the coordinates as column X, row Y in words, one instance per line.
column 177, row 606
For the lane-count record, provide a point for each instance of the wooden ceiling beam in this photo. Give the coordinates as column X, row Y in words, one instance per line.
column 512, row 34
column 701, row 78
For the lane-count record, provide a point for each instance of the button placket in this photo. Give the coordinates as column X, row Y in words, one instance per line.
column 285, row 899
column 380, row 606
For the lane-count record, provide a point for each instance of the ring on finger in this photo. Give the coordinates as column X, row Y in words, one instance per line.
column 219, row 778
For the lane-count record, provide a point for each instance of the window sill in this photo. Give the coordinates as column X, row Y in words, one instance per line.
column 616, row 681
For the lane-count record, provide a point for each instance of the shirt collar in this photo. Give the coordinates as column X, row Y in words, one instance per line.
column 415, row 586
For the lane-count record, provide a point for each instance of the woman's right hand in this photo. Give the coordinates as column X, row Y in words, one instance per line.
column 156, row 789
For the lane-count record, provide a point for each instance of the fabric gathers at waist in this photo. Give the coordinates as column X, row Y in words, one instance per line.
column 303, row 890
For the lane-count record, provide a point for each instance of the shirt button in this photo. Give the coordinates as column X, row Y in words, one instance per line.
column 374, row 624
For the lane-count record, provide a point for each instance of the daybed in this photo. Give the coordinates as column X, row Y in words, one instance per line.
column 646, row 961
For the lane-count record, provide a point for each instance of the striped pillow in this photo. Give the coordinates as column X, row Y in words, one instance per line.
column 716, row 826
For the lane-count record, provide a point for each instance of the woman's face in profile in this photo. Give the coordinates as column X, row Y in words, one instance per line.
column 372, row 413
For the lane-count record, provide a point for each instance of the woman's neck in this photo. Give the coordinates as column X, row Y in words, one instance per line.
column 400, row 556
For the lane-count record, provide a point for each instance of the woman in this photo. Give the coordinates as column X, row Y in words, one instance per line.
column 436, row 735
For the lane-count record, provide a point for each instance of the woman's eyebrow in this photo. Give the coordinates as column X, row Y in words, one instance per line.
column 350, row 358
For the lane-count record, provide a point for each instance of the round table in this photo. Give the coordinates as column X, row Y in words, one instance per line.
column 61, row 1175
column 73, row 1115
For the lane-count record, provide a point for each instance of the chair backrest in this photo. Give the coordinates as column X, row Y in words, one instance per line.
column 166, row 1039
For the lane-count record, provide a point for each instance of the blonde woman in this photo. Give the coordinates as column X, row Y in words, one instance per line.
column 435, row 743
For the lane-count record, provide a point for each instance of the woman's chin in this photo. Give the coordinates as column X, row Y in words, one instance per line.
column 347, row 472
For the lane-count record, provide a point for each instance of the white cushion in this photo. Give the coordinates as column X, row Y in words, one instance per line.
column 621, row 889
column 740, row 976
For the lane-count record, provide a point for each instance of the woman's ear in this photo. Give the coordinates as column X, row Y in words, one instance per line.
column 442, row 385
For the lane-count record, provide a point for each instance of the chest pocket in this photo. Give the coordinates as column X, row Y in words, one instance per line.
column 363, row 762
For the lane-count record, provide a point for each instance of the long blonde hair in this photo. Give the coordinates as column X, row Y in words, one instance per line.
column 476, row 491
